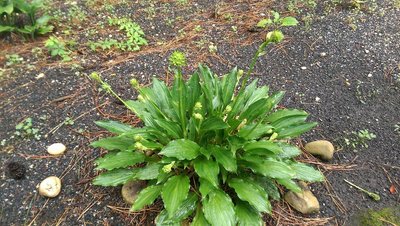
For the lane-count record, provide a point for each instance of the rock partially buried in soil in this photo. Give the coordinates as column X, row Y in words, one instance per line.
column 50, row 187
column 130, row 190
column 305, row 202
column 56, row 149
column 322, row 148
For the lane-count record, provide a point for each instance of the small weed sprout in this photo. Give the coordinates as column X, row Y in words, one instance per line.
column 57, row 47
column 13, row 59
column 134, row 36
column 359, row 139
column 25, row 129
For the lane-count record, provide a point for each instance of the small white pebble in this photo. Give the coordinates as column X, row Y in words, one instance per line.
column 303, row 68
column 323, row 54
column 369, row 75
column 317, row 99
column 50, row 187
column 56, row 149
column 367, row 51
column 39, row 76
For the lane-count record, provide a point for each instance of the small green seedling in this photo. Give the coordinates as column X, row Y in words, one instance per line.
column 13, row 59
column 69, row 121
column 25, row 129
column 372, row 195
column 359, row 139
column 57, row 47
column 277, row 21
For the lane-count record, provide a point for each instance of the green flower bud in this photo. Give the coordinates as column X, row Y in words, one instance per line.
column 134, row 83
column 138, row 138
column 240, row 73
column 198, row 116
column 273, row 136
column 177, row 59
column 95, row 76
column 275, row 36
column 228, row 109
column 198, row 106
column 168, row 168
column 140, row 146
column 106, row 87
column 243, row 123
column 141, row 98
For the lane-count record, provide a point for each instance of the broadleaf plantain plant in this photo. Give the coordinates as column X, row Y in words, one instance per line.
column 213, row 150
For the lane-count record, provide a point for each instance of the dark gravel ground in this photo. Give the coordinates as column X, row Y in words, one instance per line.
column 347, row 80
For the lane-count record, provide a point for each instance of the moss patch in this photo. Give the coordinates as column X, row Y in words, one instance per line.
column 382, row 217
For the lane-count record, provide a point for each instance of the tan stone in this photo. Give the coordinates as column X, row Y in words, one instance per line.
column 322, row 148
column 56, row 149
column 305, row 202
column 50, row 187
column 130, row 190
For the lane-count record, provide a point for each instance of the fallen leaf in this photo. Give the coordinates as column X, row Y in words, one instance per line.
column 392, row 189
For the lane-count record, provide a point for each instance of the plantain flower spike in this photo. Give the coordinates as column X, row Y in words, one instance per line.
column 177, row 59
column 95, row 76
column 198, row 116
column 198, row 106
column 134, row 83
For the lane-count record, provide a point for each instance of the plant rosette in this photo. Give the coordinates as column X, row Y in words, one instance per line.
column 218, row 149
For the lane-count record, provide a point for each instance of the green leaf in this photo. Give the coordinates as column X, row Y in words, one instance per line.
column 114, row 143
column 269, row 167
column 181, row 149
column 264, row 22
column 228, row 86
column 207, row 169
column 199, row 219
column 287, row 122
column 174, row 192
column 6, row 28
column 185, row 210
column 255, row 110
column 146, row 197
column 289, row 184
column 294, row 131
column 119, row 160
column 251, row 192
column 247, row 215
column 289, row 151
column 114, row 126
column 43, row 20
column 225, row 158
column 264, row 146
column 218, row 208
column 213, row 123
column 284, row 113
column 289, row 21
column 254, row 131
column 114, row 177
column 205, row 187
column 172, row 129
column 269, row 186
column 306, row 173
column 148, row 172
column 274, row 99
column 8, row 8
